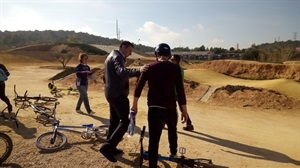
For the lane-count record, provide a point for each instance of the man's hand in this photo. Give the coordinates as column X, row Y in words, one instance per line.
column 134, row 106
column 144, row 68
column 184, row 114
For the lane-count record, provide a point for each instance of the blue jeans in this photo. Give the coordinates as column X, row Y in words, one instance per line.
column 83, row 97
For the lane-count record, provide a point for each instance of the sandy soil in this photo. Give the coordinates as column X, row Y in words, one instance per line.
column 236, row 137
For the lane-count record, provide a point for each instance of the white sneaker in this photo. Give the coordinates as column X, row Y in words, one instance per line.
column 79, row 111
column 91, row 112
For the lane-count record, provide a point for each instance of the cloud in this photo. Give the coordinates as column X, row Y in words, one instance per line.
column 186, row 30
column 217, row 41
column 200, row 27
column 22, row 18
column 154, row 34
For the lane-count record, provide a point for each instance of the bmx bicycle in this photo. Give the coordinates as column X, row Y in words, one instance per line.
column 57, row 91
column 55, row 140
column 183, row 161
column 6, row 144
column 41, row 100
column 44, row 114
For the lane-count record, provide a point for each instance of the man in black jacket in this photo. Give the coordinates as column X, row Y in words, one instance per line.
column 3, row 97
column 116, row 79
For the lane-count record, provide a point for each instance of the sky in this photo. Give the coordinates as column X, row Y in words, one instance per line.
column 179, row 23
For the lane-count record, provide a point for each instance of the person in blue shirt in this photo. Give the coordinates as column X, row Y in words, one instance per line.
column 83, row 72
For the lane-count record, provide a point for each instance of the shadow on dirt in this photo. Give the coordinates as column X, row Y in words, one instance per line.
column 20, row 128
column 246, row 150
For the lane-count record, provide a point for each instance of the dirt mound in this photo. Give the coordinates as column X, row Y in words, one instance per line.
column 252, row 70
column 239, row 96
column 242, row 96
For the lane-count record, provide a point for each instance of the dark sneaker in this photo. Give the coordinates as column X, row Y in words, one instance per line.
column 117, row 151
column 104, row 150
column 189, row 128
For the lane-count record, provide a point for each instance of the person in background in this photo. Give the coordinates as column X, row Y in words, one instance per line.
column 116, row 79
column 83, row 72
column 4, row 74
column 176, row 60
column 162, row 76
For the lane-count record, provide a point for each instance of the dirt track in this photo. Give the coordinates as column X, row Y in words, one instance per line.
column 231, row 136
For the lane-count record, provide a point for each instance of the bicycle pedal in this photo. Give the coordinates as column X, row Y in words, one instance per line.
column 182, row 150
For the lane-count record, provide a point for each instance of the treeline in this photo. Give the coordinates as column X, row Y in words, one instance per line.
column 12, row 39
column 270, row 52
column 276, row 52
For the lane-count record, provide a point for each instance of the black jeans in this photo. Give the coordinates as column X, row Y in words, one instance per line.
column 3, row 97
column 119, row 111
column 157, row 118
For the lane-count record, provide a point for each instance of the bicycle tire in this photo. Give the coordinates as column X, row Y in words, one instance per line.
column 44, row 144
column 48, row 99
column 6, row 146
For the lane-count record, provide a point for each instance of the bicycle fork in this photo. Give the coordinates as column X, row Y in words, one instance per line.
column 52, row 140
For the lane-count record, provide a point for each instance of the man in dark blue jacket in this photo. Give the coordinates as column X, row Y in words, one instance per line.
column 116, row 77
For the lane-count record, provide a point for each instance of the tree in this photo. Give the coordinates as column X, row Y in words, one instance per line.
column 202, row 48
column 73, row 38
column 251, row 54
column 63, row 57
column 181, row 49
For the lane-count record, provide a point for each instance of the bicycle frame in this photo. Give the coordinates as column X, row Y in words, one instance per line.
column 55, row 140
column 21, row 99
column 86, row 129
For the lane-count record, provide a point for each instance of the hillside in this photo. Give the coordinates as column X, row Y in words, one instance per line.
column 275, row 85
column 252, row 70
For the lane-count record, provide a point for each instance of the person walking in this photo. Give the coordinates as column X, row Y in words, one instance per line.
column 4, row 73
column 116, row 78
column 83, row 72
column 162, row 76
column 176, row 60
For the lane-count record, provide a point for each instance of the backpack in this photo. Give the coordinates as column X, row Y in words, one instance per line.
column 3, row 76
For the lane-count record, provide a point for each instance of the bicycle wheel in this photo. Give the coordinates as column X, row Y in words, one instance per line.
column 43, row 142
column 6, row 147
column 101, row 131
column 49, row 99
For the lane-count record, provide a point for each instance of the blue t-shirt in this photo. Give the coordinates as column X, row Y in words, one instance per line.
column 82, row 73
